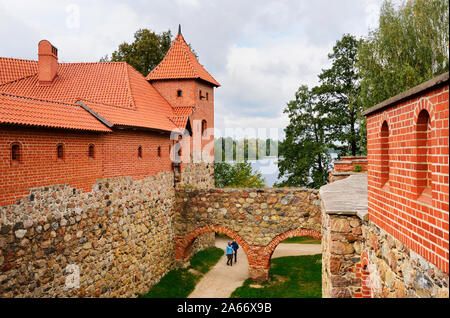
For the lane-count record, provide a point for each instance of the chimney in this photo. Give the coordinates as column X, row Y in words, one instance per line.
column 48, row 62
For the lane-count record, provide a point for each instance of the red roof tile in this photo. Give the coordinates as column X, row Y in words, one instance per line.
column 24, row 111
column 180, row 63
column 14, row 69
column 121, row 92
column 102, row 82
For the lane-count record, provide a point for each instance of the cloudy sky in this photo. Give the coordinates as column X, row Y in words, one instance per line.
column 261, row 51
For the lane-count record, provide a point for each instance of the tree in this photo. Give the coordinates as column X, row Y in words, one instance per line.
column 304, row 159
column 341, row 85
column 237, row 175
column 145, row 53
column 409, row 47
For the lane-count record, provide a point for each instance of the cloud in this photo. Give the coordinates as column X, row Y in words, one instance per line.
column 260, row 52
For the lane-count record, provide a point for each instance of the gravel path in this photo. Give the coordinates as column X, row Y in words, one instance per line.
column 222, row 280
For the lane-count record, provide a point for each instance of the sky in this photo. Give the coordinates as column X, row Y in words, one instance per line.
column 260, row 51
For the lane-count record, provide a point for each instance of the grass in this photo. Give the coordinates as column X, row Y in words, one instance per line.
column 290, row 277
column 204, row 260
column 179, row 283
column 302, row 240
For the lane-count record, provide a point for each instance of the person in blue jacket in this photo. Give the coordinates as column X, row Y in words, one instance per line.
column 229, row 253
column 235, row 247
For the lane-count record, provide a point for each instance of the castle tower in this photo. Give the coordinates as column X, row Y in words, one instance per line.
column 189, row 88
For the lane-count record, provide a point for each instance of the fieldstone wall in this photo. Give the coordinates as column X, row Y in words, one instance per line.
column 397, row 271
column 118, row 238
column 259, row 219
column 342, row 245
column 197, row 175
column 115, row 241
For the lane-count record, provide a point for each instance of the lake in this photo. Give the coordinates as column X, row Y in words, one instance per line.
column 268, row 167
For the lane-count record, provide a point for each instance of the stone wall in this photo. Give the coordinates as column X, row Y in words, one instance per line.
column 342, row 244
column 397, row 271
column 259, row 219
column 197, row 175
column 119, row 237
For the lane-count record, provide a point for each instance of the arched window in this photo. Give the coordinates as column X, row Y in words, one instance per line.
column 423, row 154
column 15, row 153
column 91, row 152
column 204, row 127
column 60, row 151
column 384, row 153
column 179, row 93
column 159, row 151
column 140, row 152
column 207, row 96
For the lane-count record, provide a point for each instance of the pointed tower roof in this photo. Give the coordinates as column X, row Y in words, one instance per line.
column 180, row 63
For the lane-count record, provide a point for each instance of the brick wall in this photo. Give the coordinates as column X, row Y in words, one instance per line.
column 114, row 155
column 408, row 178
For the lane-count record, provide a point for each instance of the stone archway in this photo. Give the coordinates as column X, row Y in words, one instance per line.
column 262, row 268
column 258, row 256
column 183, row 244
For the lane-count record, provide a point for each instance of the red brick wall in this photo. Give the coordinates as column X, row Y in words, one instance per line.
column 168, row 89
column 116, row 154
column 120, row 151
column 204, row 107
column 204, row 110
column 404, row 206
column 349, row 163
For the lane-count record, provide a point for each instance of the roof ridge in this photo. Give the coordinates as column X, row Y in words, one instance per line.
column 103, row 104
column 16, row 59
column 186, row 53
column 18, row 79
column 127, row 79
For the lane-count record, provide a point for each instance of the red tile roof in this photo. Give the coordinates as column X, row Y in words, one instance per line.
column 14, row 69
column 23, row 111
column 124, row 93
column 180, row 63
column 96, row 96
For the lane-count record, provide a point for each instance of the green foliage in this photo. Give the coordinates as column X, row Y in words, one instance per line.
column 179, row 283
column 302, row 240
column 357, row 168
column 290, row 277
column 145, row 52
column 304, row 158
column 204, row 260
column 237, row 175
column 409, row 47
column 342, row 105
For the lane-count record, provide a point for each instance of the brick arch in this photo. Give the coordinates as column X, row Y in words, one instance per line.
column 384, row 118
column 270, row 248
column 183, row 244
column 424, row 104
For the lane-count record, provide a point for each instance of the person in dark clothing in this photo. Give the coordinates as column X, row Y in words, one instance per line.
column 229, row 254
column 235, row 247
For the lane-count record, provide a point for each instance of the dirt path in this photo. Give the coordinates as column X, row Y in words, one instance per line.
column 222, row 280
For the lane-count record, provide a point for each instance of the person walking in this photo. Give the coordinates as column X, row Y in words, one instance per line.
column 235, row 247
column 229, row 254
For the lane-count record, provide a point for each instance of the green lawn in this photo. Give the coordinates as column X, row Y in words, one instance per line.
column 179, row 283
column 302, row 240
column 290, row 277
